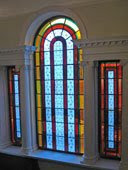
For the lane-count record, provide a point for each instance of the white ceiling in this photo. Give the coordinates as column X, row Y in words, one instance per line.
column 15, row 7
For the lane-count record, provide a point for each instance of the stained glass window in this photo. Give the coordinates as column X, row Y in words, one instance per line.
column 14, row 105
column 110, row 108
column 59, row 86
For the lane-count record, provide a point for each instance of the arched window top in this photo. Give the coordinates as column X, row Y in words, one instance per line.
column 57, row 27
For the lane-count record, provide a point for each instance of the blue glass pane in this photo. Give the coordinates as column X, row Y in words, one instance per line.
column 60, row 143
column 59, row 101
column 46, row 45
column 48, row 101
column 16, row 87
column 49, row 128
column 110, row 145
column 47, row 87
column 17, row 125
column 70, row 72
column 48, row 115
column 47, row 74
column 46, row 58
column 58, row 74
column 59, row 115
column 58, row 46
column 16, row 99
column 71, row 130
column 65, row 34
column 49, row 142
column 58, row 57
column 60, row 129
column 110, row 74
column 70, row 57
column 71, row 116
column 17, row 110
column 110, row 134
column 58, row 32
column 71, row 144
column 69, row 43
column 111, row 118
column 70, row 86
column 71, row 101
column 18, row 134
column 58, row 87
column 110, row 86
column 110, row 102
column 15, row 77
column 50, row 36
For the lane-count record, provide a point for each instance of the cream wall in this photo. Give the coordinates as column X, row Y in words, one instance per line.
column 100, row 20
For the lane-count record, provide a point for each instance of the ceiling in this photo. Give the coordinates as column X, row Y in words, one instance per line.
column 17, row 7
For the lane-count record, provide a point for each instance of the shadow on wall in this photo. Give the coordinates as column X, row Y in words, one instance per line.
column 8, row 162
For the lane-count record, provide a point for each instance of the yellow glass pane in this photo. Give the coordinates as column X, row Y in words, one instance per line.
column 81, row 101
column 38, row 73
column 81, row 131
column 81, row 116
column 40, row 140
column 37, row 59
column 81, row 86
column 46, row 26
column 39, row 127
column 80, row 55
column 81, row 145
column 81, row 72
column 38, row 100
column 39, row 114
column 37, row 43
column 38, row 86
column 78, row 34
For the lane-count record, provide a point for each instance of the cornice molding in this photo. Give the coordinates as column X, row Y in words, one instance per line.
column 102, row 42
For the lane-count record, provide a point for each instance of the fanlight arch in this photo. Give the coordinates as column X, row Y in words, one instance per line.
column 59, row 86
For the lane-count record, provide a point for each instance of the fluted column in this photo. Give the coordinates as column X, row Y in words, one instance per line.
column 90, row 152
column 124, row 153
column 4, row 111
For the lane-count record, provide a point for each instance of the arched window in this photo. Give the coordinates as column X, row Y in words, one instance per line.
column 14, row 105
column 59, row 86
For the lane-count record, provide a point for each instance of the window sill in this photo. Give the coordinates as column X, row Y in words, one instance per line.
column 70, row 159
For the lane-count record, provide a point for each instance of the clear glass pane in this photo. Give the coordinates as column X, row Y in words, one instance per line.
column 71, row 144
column 59, row 115
column 110, row 74
column 15, row 77
column 65, row 34
column 49, row 142
column 58, row 21
column 17, row 125
column 48, row 115
column 48, row 101
column 58, row 32
column 110, row 86
column 46, row 58
column 16, row 99
column 111, row 118
column 59, row 101
column 71, row 101
column 46, row 45
column 18, row 134
column 17, row 110
column 70, row 72
column 47, row 87
column 70, row 57
column 16, row 87
column 111, row 145
column 60, row 143
column 71, row 130
column 111, row 102
column 58, row 46
column 71, row 116
column 49, row 128
column 59, row 87
column 47, row 74
column 111, row 133
column 50, row 36
column 69, row 43
column 70, row 86
column 72, row 25
column 58, row 74
column 60, row 129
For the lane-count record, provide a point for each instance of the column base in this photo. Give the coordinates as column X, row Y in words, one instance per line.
column 89, row 160
column 27, row 151
column 123, row 165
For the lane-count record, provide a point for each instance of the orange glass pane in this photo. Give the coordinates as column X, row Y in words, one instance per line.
column 40, row 140
column 38, row 86
column 81, row 72
column 81, row 86
column 38, row 100
column 119, row 86
column 38, row 73
column 81, row 101
column 102, row 86
column 39, row 117
column 81, row 116
column 37, row 43
column 39, row 127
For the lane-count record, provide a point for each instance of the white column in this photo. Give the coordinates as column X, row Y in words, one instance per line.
column 124, row 154
column 27, row 105
column 4, row 110
column 90, row 153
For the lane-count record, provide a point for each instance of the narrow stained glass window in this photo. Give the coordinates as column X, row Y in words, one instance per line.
column 59, row 87
column 14, row 105
column 110, row 108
